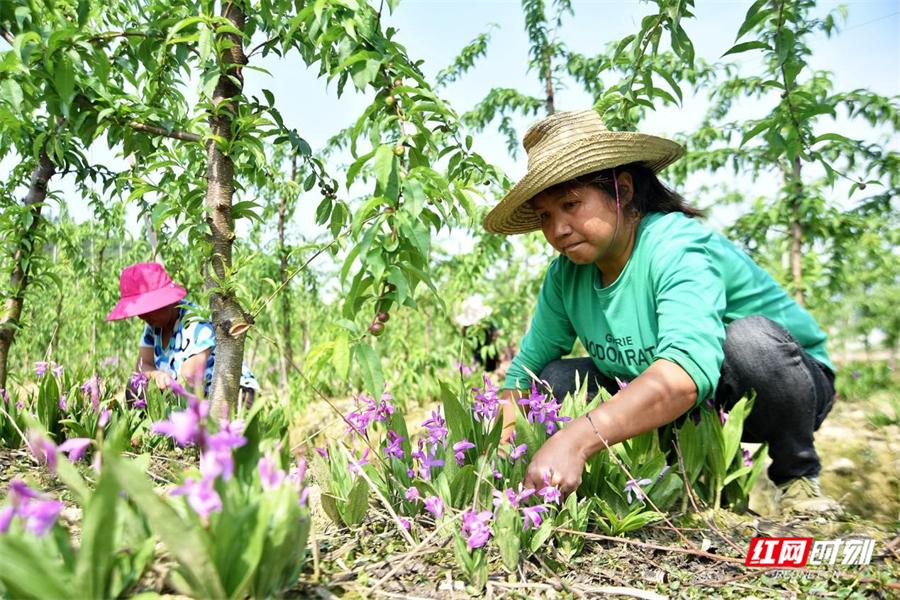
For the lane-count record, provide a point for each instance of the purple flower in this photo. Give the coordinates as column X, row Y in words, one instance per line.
column 723, row 416
column 475, row 528
column 437, row 428
column 228, row 437
column 40, row 367
column 532, row 515
column 57, row 370
column 6, row 517
column 412, row 494
column 356, row 466
column 41, row 515
column 662, row 473
column 104, row 418
column 75, row 447
column 215, row 463
column 63, row 402
column 19, row 405
column 622, row 384
column 514, row 497
column 38, row 512
column 393, row 447
column 435, row 506
column 321, row 452
column 404, row 522
column 269, row 474
column 185, row 427
column 466, row 370
column 633, row 485
column 517, row 452
column 410, row 473
column 201, row 496
column 487, row 403
column 459, row 450
column 43, row 450
column 543, row 409
column 138, row 382
column 550, row 493
column 91, row 387
column 426, row 460
column 179, row 389
column 5, row 395
column 748, row 461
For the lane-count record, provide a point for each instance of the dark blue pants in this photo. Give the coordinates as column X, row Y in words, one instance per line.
column 794, row 392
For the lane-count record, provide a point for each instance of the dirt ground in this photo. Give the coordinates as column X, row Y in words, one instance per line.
column 701, row 557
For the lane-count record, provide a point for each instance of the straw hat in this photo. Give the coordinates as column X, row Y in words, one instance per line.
column 143, row 288
column 564, row 146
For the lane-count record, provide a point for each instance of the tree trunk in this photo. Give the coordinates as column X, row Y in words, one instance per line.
column 287, row 347
column 548, row 79
column 797, row 234
column 228, row 318
column 18, row 281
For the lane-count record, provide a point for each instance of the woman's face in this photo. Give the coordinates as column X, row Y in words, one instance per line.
column 580, row 223
column 158, row 318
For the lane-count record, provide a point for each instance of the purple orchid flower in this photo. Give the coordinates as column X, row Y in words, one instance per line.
column 515, row 497
column 723, row 416
column 201, row 496
column 532, row 515
column 57, row 370
column 38, row 512
column 459, row 450
column 63, row 402
column 435, row 506
column 43, row 450
column 475, row 528
column 662, row 473
column 412, row 494
column 487, row 402
column 321, row 452
column 748, row 460
column 269, row 474
column 634, row 485
column 356, row 466
column 621, row 383
column 91, row 387
column 465, row 370
column 185, row 427
column 517, row 452
column 40, row 367
column 404, row 522
column 75, row 448
column 6, row 517
column 103, row 420
column 437, row 428
column 394, row 447
column 5, row 395
column 550, row 493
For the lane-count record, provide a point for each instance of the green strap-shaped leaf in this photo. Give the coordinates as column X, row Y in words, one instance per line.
column 95, row 556
column 184, row 540
column 27, row 572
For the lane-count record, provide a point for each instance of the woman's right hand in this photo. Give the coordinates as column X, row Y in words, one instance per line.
column 162, row 379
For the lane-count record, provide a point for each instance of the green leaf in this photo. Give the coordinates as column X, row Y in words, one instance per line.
column 11, row 94
column 370, row 365
column 28, row 572
column 98, row 528
column 64, row 82
column 745, row 46
column 183, row 539
column 459, row 420
column 761, row 126
column 341, row 357
column 357, row 503
column 386, row 173
column 462, row 489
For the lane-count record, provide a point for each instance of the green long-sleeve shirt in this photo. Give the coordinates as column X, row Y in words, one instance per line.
column 679, row 289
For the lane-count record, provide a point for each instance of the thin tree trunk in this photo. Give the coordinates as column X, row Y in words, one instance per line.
column 548, row 79
column 228, row 318
column 151, row 236
column 18, row 281
column 287, row 346
column 797, row 234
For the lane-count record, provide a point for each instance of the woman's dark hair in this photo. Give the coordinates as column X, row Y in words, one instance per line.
column 649, row 194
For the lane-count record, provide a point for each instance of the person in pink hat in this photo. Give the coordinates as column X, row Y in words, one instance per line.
column 173, row 346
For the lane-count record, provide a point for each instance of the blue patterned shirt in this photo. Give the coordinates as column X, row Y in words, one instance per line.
column 189, row 338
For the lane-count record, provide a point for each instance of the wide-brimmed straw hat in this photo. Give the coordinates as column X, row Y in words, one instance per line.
column 143, row 288
column 564, row 146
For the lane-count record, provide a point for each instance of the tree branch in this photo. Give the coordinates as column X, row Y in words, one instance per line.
column 184, row 136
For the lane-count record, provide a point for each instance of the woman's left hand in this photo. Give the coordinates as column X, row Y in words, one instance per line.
column 560, row 462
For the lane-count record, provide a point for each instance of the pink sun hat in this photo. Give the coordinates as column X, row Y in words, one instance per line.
column 143, row 288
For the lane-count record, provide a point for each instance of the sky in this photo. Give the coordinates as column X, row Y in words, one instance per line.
column 865, row 54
